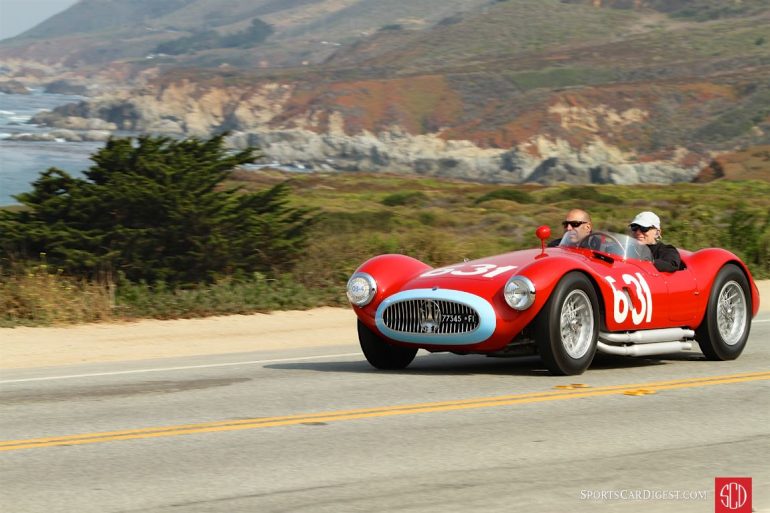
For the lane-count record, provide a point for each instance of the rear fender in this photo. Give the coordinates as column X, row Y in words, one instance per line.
column 705, row 265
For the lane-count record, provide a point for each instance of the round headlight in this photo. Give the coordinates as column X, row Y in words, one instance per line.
column 361, row 289
column 519, row 293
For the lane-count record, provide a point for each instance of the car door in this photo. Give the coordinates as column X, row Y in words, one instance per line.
column 637, row 297
column 684, row 295
column 679, row 301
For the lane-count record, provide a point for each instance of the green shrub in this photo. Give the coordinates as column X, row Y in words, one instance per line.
column 506, row 194
column 256, row 293
column 586, row 193
column 345, row 222
column 748, row 233
column 404, row 198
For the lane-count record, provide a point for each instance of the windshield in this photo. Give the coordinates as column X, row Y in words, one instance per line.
column 608, row 242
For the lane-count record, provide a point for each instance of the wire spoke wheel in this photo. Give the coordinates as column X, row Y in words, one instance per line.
column 567, row 327
column 726, row 325
column 577, row 320
column 731, row 313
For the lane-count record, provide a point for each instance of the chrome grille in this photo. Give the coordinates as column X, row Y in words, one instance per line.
column 435, row 316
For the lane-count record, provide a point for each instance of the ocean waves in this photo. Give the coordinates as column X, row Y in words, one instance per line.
column 26, row 150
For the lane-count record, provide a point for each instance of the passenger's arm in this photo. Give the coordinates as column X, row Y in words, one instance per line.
column 668, row 259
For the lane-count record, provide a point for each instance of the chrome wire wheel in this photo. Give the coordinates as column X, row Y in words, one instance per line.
column 567, row 327
column 724, row 331
column 732, row 310
column 576, row 324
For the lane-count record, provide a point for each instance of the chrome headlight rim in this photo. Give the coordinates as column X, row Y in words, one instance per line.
column 519, row 292
column 361, row 300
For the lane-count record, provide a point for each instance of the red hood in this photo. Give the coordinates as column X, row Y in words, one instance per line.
column 493, row 270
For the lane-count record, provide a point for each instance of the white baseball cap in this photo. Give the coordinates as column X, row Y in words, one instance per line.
column 647, row 219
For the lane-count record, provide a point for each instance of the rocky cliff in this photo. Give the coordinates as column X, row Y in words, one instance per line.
column 322, row 139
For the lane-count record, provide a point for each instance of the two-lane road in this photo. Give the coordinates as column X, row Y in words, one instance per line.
column 317, row 430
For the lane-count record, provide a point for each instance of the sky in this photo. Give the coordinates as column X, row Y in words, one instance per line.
column 16, row 16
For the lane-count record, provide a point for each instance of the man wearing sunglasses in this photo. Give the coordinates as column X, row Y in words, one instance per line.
column 578, row 223
column 646, row 229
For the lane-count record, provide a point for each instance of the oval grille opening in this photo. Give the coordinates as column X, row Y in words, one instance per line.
column 430, row 316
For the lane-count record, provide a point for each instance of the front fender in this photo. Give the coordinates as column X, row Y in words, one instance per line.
column 390, row 272
column 546, row 273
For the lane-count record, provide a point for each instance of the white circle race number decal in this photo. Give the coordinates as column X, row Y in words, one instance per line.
column 483, row 270
column 623, row 305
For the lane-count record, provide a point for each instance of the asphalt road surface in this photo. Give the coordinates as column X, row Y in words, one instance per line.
column 318, row 430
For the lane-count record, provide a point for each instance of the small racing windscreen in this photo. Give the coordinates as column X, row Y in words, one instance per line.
column 616, row 244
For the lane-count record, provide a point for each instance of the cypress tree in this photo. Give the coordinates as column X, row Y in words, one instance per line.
column 155, row 209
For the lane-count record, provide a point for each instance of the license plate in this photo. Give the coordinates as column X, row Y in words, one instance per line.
column 458, row 319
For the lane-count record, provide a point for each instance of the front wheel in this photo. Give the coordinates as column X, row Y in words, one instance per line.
column 724, row 330
column 380, row 354
column 567, row 326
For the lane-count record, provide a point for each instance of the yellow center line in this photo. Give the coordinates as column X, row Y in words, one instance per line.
column 384, row 411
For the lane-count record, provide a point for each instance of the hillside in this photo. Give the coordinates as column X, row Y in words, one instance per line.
column 621, row 91
column 98, row 32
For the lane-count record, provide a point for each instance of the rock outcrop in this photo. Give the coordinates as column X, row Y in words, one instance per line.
column 320, row 138
column 431, row 155
column 13, row 87
column 65, row 87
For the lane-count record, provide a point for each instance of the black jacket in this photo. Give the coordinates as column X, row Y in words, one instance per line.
column 665, row 257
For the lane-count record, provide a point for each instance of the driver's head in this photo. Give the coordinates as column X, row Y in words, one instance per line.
column 578, row 224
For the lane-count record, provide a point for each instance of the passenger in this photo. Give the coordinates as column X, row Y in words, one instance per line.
column 646, row 229
column 578, row 223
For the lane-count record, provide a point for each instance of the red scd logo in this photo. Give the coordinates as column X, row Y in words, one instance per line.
column 732, row 495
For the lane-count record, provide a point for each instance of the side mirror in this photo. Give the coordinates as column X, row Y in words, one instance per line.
column 543, row 233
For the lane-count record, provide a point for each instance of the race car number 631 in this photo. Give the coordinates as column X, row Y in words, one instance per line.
column 622, row 304
column 485, row 270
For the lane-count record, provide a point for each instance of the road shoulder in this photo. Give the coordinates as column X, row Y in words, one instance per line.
column 147, row 339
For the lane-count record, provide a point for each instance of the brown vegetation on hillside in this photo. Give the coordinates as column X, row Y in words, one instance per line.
column 749, row 164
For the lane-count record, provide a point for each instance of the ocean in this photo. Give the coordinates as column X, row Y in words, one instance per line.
column 21, row 162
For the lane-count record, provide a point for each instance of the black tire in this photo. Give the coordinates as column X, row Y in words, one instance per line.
column 561, row 353
column 382, row 355
column 729, row 305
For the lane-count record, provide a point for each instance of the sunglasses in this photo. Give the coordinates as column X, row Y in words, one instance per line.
column 573, row 224
column 637, row 228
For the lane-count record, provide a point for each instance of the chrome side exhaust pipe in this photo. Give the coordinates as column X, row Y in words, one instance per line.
column 647, row 349
column 647, row 336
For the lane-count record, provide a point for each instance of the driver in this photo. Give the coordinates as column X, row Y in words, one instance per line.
column 646, row 229
column 578, row 224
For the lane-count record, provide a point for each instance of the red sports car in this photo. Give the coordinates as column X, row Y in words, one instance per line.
column 565, row 303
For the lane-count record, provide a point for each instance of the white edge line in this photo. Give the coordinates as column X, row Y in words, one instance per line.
column 207, row 366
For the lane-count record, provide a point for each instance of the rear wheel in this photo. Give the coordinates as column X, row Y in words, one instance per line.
column 380, row 354
column 725, row 328
column 567, row 326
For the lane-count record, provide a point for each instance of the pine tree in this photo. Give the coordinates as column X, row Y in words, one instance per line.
column 155, row 209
